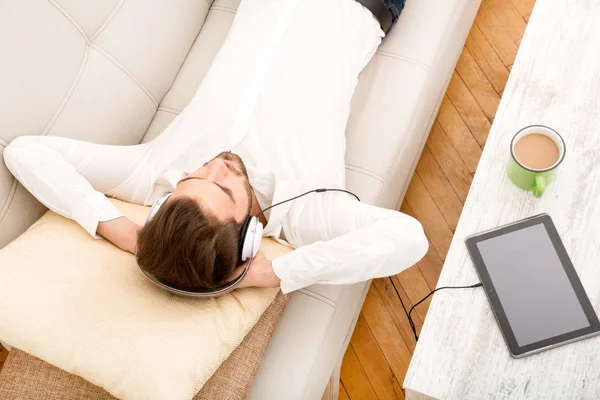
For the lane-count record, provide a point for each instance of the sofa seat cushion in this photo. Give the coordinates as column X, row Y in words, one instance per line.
column 84, row 306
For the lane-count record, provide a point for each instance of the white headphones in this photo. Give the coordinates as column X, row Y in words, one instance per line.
column 250, row 238
column 248, row 245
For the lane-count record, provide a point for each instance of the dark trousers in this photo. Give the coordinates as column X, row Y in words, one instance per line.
column 395, row 8
column 386, row 11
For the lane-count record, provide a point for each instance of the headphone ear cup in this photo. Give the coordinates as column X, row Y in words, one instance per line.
column 250, row 238
column 242, row 240
column 257, row 238
column 157, row 204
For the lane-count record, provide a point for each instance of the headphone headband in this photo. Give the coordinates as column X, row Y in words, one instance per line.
column 199, row 292
column 157, row 204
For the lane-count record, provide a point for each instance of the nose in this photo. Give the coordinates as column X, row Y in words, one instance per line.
column 217, row 170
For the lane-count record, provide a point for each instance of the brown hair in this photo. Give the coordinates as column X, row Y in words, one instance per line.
column 185, row 246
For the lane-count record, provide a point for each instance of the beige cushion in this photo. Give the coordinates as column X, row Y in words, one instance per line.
column 25, row 377
column 83, row 305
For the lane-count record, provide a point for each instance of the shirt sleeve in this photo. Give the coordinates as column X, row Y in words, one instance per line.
column 343, row 241
column 71, row 177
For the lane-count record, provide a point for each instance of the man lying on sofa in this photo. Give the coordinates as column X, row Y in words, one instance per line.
column 273, row 109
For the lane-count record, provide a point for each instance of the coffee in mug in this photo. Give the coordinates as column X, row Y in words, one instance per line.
column 536, row 152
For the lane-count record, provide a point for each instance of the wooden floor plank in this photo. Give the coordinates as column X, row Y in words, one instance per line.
column 3, row 355
column 343, row 395
column 509, row 18
column 431, row 267
column 449, row 160
column 415, row 286
column 429, row 215
column 478, row 84
column 354, row 379
column 487, row 59
column 459, row 134
column 468, row 108
column 419, row 313
column 387, row 288
column 387, row 335
column 398, row 389
column 439, row 188
column 389, row 295
column 496, row 35
column 524, row 7
column 431, row 264
column 373, row 362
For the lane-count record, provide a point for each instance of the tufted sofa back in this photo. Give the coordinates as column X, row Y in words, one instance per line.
column 88, row 70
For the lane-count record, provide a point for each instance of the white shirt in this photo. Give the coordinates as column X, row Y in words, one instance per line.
column 277, row 94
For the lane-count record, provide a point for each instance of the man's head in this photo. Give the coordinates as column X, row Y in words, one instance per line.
column 221, row 187
column 192, row 241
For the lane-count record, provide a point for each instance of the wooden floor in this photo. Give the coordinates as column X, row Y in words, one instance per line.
column 3, row 355
column 382, row 345
column 380, row 350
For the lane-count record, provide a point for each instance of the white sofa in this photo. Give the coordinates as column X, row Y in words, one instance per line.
column 119, row 71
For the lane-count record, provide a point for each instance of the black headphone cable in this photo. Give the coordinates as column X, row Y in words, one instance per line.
column 321, row 190
column 408, row 313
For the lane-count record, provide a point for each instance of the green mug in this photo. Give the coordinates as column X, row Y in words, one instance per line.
column 534, row 180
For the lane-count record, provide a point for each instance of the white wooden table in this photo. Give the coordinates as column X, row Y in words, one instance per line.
column 555, row 81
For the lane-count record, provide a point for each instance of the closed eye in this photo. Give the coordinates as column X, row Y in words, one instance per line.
column 227, row 191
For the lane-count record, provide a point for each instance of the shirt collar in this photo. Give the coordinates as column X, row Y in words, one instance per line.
column 284, row 189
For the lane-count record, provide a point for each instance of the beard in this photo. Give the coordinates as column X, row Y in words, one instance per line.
column 239, row 169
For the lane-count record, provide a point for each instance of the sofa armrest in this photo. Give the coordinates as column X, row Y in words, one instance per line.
column 398, row 96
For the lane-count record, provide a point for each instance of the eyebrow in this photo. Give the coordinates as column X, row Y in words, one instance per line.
column 225, row 190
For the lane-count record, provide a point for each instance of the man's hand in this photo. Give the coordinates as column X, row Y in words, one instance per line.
column 260, row 274
column 122, row 232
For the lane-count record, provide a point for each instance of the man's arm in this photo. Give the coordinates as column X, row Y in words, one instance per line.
column 342, row 241
column 70, row 177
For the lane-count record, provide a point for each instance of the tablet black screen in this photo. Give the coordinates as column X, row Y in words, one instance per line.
column 535, row 292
